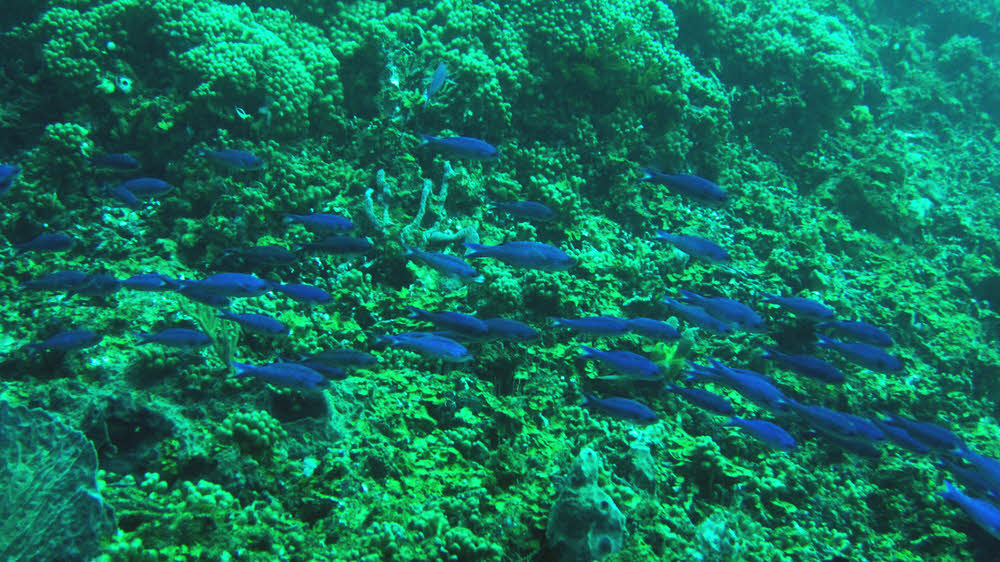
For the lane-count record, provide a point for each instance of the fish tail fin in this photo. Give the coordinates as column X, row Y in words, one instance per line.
column 823, row 340
column 589, row 352
column 475, row 250
column 647, row 173
column 588, row 399
column 241, row 369
column 414, row 312
column 478, row 279
column 427, row 139
column 143, row 338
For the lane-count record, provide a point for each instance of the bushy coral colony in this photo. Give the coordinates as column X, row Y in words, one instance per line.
column 625, row 279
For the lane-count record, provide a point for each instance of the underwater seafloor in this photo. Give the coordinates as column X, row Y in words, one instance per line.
column 858, row 143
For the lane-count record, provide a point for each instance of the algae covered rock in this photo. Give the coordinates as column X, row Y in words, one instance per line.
column 585, row 524
column 51, row 508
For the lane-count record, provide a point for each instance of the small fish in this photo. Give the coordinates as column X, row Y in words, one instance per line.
column 151, row 282
column 284, row 374
column 982, row 512
column 687, row 185
column 144, row 188
column 234, row 159
column 451, row 321
column 727, row 310
column 525, row 210
column 66, row 341
column 823, row 419
column 766, row 431
column 621, row 408
column 901, row 437
column 325, row 223
column 509, row 330
column 594, row 325
column 806, row 365
column 331, row 373
column 929, row 434
column 988, row 467
column 304, row 293
column 653, row 329
column 694, row 246
column 339, row 245
column 231, row 285
column 461, row 147
column 858, row 331
column 124, row 196
column 44, row 243
column 115, row 161
column 437, row 80
column 704, row 399
column 631, row 365
column 58, row 281
column 346, row 358
column 8, row 173
column 176, row 337
column 96, row 285
column 527, row 255
column 802, row 307
column 431, row 346
column 267, row 255
column 452, row 266
column 868, row 356
column 257, row 323
column 753, row 386
column 697, row 316
column 972, row 478
column 197, row 295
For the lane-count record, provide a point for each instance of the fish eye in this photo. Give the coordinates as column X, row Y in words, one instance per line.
column 124, row 84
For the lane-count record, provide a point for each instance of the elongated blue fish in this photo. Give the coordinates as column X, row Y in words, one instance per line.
column 461, row 147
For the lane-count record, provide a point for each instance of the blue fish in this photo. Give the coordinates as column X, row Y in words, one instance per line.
column 124, row 196
column 653, row 329
column 330, row 372
column 901, row 437
column 982, row 512
column 66, row 341
column 176, row 337
column 509, row 330
column 451, row 321
column 57, row 281
column 630, row 365
column 322, row 222
column 338, row 245
column 766, row 431
column 527, row 255
column 823, row 419
column 687, row 185
column 116, row 161
column 194, row 293
column 234, row 159
column 151, row 282
column 865, row 428
column 697, row 316
column 452, row 266
column 461, row 147
column 751, row 385
column 868, row 356
column 526, row 210
column 8, row 173
column 988, row 467
column 144, row 188
column 44, row 243
column 431, row 346
column 437, row 80
column 231, row 285
column 305, row 293
column 802, row 307
column 267, row 255
column 858, row 331
column 621, row 408
column 704, row 399
column 727, row 310
column 806, row 365
column 96, row 285
column 345, row 358
column 928, row 433
column 694, row 246
column 284, row 374
column 257, row 323
column 594, row 325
